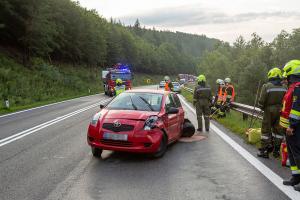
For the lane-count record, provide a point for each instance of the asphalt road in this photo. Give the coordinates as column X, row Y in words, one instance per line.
column 53, row 161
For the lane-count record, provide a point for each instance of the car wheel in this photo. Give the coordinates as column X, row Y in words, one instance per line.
column 96, row 152
column 188, row 129
column 162, row 147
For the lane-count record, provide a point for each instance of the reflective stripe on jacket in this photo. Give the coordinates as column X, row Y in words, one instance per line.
column 271, row 95
column 119, row 89
column 287, row 104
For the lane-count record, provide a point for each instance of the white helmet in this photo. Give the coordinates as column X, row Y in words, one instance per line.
column 227, row 80
column 167, row 78
column 218, row 81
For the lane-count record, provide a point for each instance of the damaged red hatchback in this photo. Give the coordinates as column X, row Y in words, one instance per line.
column 142, row 121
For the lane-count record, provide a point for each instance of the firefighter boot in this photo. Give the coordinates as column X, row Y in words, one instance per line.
column 297, row 187
column 264, row 151
column 293, row 181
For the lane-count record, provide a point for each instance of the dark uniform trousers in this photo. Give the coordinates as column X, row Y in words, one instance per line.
column 203, row 109
column 271, row 130
column 293, row 142
column 202, row 100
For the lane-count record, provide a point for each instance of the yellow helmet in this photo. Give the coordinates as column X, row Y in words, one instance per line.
column 292, row 68
column 275, row 73
column 119, row 81
column 201, row 78
column 284, row 76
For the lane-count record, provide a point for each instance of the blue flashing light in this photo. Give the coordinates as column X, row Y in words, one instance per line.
column 122, row 67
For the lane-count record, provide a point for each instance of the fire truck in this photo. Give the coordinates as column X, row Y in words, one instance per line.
column 111, row 74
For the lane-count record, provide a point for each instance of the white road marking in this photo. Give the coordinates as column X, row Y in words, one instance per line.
column 1, row 116
column 34, row 129
column 262, row 168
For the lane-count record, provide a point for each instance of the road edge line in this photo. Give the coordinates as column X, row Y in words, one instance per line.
column 262, row 168
column 29, row 131
column 51, row 104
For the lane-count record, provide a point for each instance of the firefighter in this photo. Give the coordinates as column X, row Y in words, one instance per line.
column 270, row 102
column 229, row 91
column 218, row 98
column 218, row 94
column 202, row 101
column 227, row 97
column 119, row 88
column 290, row 119
column 168, row 84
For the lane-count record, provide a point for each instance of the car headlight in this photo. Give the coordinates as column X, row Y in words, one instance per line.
column 150, row 123
column 95, row 119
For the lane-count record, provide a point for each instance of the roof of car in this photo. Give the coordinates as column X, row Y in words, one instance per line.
column 155, row 91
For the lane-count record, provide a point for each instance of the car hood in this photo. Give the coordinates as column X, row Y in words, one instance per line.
column 128, row 114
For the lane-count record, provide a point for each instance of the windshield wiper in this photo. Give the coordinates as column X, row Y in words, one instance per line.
column 147, row 103
column 133, row 105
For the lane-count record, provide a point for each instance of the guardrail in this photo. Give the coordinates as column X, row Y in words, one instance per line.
column 246, row 110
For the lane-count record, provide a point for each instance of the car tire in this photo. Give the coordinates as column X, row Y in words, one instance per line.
column 188, row 129
column 96, row 152
column 162, row 147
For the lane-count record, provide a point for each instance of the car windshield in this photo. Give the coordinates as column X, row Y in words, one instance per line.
column 162, row 82
column 137, row 101
column 122, row 76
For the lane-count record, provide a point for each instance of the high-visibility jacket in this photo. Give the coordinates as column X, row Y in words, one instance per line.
column 229, row 93
column 290, row 113
column 168, row 86
column 119, row 89
column 271, row 94
column 221, row 94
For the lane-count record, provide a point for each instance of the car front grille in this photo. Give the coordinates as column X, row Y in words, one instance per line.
column 122, row 128
column 117, row 143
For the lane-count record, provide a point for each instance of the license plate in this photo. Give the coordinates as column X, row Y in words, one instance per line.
column 113, row 136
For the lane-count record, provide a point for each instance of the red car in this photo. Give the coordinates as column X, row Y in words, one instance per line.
column 142, row 121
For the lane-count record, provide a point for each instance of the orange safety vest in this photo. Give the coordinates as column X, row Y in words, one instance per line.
column 220, row 94
column 232, row 95
column 167, row 88
column 287, row 104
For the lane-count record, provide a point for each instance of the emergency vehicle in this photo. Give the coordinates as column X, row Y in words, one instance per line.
column 110, row 75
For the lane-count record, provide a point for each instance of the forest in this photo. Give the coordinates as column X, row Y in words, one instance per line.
column 248, row 62
column 63, row 31
column 58, row 48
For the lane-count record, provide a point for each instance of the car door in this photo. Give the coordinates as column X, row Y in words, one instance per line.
column 172, row 119
column 180, row 114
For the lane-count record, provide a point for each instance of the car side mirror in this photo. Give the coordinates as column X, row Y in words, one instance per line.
column 102, row 106
column 173, row 110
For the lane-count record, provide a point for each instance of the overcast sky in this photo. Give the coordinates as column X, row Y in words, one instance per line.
column 222, row 19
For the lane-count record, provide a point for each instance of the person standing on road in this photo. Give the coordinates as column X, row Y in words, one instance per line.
column 290, row 119
column 168, row 84
column 202, row 101
column 270, row 102
column 119, row 88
